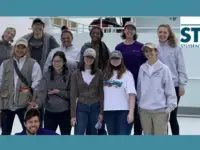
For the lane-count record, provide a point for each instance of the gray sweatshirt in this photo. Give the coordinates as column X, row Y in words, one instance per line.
column 174, row 59
column 55, row 103
column 156, row 91
column 5, row 49
column 71, row 54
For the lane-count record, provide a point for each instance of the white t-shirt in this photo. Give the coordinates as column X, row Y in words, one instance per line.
column 87, row 77
column 116, row 92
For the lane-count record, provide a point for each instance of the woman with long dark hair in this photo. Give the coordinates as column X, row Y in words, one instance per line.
column 56, row 88
column 119, row 96
column 87, row 95
column 102, row 55
column 171, row 54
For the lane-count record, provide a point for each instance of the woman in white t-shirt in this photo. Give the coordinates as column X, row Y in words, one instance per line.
column 119, row 96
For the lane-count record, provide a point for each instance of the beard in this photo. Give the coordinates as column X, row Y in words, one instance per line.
column 29, row 132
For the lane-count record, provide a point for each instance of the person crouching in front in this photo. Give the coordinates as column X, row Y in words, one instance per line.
column 156, row 93
column 32, row 124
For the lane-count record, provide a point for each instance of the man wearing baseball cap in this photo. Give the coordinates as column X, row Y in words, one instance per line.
column 20, row 75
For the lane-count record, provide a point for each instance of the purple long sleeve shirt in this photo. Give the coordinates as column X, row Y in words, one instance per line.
column 133, row 57
column 40, row 131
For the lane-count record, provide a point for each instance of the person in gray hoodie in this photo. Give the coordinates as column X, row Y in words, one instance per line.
column 70, row 51
column 40, row 44
column 171, row 55
column 155, row 92
column 54, row 92
column 5, row 43
column 5, row 46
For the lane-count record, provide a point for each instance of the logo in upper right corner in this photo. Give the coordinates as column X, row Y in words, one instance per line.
column 190, row 29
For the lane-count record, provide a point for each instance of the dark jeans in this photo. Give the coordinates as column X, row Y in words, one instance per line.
column 41, row 110
column 8, row 117
column 117, row 123
column 101, row 131
column 173, row 116
column 62, row 119
column 86, row 118
column 137, row 122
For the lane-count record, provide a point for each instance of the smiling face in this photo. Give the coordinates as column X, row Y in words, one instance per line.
column 58, row 63
column 89, row 60
column 38, row 29
column 163, row 34
column 150, row 53
column 129, row 31
column 32, row 125
column 66, row 39
column 9, row 34
column 115, row 61
column 95, row 35
column 20, row 50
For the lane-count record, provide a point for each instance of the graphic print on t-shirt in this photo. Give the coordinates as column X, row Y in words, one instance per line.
column 113, row 83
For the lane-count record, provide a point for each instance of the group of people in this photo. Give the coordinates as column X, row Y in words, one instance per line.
column 95, row 90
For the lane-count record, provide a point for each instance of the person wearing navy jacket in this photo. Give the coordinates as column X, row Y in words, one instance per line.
column 32, row 124
column 133, row 58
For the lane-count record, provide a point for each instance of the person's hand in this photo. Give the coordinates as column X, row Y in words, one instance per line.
column 181, row 91
column 50, row 92
column 54, row 91
column 130, row 118
column 100, row 118
column 32, row 105
column 73, row 122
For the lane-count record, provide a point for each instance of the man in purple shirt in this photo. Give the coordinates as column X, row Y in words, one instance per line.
column 32, row 124
column 133, row 59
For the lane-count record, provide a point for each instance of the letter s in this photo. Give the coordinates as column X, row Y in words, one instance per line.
column 185, row 34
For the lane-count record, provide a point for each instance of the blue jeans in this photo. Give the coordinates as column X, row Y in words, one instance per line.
column 8, row 117
column 117, row 123
column 86, row 118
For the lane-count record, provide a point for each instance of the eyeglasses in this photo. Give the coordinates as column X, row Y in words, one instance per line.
column 57, row 61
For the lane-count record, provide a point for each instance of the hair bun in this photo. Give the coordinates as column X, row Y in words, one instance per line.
column 64, row 28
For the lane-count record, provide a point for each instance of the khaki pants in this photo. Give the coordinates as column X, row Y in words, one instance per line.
column 154, row 123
